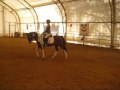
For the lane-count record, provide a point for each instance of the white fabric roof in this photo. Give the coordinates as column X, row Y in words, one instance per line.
column 94, row 10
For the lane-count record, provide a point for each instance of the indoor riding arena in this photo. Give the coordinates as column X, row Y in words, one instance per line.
column 88, row 29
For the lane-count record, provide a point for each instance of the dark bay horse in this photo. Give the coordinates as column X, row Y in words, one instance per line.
column 58, row 41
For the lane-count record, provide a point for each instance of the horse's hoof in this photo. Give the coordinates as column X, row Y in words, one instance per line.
column 66, row 57
column 37, row 55
column 52, row 58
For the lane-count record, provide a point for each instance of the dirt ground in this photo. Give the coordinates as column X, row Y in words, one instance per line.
column 87, row 68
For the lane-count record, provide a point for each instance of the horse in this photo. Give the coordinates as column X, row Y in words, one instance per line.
column 57, row 41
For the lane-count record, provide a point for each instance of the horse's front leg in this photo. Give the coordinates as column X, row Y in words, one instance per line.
column 43, row 53
column 42, row 49
column 54, row 54
column 38, row 55
column 37, row 52
column 56, row 48
column 65, row 52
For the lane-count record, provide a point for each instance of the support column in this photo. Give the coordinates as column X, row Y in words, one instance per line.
column 3, row 19
column 65, row 17
column 113, row 24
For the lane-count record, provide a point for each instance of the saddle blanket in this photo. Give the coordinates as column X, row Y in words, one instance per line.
column 50, row 40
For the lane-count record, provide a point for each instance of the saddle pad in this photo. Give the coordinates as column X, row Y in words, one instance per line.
column 50, row 40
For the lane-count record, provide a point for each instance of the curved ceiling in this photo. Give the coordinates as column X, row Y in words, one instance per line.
column 72, row 8
column 17, row 4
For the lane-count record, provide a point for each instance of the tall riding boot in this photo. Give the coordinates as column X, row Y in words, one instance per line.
column 45, row 41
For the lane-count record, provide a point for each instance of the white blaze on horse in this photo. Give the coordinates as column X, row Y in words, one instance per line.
column 56, row 41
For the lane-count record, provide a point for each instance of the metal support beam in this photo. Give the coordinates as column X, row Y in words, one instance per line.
column 37, row 19
column 48, row 3
column 60, row 13
column 3, row 20
column 113, row 20
column 65, row 17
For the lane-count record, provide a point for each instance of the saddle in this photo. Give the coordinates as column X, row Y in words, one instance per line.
column 51, row 40
column 48, row 39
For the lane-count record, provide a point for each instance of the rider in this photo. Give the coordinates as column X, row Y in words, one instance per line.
column 47, row 32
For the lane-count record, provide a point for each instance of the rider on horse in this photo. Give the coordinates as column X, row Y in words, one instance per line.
column 47, row 32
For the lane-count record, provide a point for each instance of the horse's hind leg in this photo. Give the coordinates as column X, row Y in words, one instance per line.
column 65, row 52
column 56, row 48
column 54, row 54
column 64, row 49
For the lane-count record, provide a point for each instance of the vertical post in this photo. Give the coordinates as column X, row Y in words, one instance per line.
column 9, row 29
column 83, row 39
column 65, row 17
column 113, row 19
column 15, row 27
column 15, row 30
column 3, row 20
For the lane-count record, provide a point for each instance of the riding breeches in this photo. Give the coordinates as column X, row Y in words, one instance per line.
column 47, row 35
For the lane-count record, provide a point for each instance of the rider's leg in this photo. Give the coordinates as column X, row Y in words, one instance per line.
column 45, row 42
column 46, row 38
column 48, row 35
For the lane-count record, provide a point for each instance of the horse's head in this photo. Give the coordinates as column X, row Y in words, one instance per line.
column 32, row 36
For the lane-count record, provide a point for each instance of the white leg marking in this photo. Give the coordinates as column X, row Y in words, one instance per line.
column 37, row 52
column 65, row 54
column 54, row 54
column 43, row 53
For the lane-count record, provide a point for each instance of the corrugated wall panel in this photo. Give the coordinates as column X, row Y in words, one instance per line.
column 9, row 17
column 1, row 24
